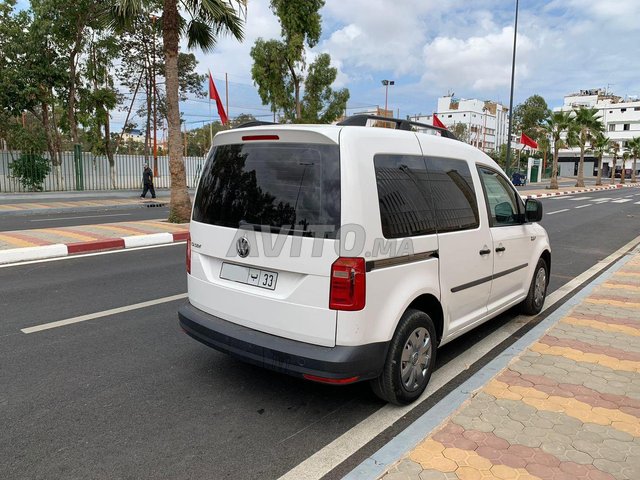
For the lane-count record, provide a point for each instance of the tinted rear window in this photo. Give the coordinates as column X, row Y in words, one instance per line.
column 281, row 187
column 404, row 196
column 454, row 197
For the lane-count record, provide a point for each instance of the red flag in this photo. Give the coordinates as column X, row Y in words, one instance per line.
column 437, row 122
column 529, row 142
column 213, row 95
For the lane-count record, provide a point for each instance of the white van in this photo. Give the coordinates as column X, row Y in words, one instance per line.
column 344, row 253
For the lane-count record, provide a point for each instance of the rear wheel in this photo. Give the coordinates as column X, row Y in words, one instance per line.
column 532, row 305
column 410, row 360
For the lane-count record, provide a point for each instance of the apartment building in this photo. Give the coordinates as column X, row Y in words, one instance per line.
column 621, row 119
column 486, row 122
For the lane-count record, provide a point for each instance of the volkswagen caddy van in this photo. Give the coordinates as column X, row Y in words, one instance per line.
column 348, row 253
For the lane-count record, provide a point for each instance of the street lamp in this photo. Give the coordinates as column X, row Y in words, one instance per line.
column 386, row 84
column 513, row 71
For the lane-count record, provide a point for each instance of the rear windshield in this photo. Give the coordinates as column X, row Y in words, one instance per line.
column 291, row 188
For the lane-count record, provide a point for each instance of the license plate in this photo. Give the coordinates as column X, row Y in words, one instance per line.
column 249, row 276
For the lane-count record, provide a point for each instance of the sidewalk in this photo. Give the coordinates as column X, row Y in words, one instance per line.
column 25, row 245
column 566, row 408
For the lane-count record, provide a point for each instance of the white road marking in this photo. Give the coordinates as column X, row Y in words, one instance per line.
column 622, row 200
column 94, row 254
column 601, row 199
column 558, row 211
column 105, row 313
column 83, row 216
column 575, row 199
column 636, row 203
column 587, row 205
column 333, row 454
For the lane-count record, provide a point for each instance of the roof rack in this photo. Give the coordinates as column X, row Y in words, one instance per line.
column 254, row 123
column 361, row 121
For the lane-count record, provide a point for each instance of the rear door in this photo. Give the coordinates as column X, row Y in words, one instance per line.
column 264, row 229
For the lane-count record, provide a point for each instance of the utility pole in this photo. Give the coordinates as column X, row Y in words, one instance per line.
column 513, row 71
column 226, row 81
column 155, row 94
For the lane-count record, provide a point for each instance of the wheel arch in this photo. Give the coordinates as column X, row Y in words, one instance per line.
column 430, row 305
column 546, row 256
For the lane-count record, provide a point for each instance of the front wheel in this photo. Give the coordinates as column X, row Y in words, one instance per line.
column 532, row 305
column 410, row 360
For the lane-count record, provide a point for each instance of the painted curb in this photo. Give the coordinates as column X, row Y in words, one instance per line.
column 573, row 192
column 33, row 253
column 28, row 254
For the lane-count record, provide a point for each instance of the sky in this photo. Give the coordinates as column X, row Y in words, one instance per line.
column 434, row 47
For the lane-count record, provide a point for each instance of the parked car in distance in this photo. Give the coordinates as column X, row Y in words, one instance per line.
column 347, row 253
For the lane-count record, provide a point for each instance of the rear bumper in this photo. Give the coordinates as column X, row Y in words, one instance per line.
column 282, row 354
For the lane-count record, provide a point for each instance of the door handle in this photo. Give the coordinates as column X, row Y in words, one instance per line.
column 485, row 251
column 500, row 249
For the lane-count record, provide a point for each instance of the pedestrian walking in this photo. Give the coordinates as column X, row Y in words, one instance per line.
column 147, row 181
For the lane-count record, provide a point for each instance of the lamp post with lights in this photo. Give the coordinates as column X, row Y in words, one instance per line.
column 386, row 84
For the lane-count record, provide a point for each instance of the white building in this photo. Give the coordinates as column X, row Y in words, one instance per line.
column 487, row 122
column 621, row 119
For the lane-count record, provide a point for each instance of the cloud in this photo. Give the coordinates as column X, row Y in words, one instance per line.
column 476, row 64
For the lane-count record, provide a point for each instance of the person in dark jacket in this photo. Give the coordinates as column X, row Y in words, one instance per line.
column 147, row 181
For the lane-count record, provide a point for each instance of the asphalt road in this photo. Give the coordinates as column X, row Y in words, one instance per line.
column 131, row 396
column 72, row 218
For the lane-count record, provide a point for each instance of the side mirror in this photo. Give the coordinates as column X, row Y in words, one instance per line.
column 533, row 210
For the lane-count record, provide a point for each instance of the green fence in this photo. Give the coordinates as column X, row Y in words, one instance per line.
column 77, row 170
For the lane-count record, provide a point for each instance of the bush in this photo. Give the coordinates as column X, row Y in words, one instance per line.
column 31, row 169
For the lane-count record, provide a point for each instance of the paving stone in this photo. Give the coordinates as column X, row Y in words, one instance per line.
column 409, row 467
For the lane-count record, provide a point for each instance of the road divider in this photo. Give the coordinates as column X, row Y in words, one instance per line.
column 26, row 254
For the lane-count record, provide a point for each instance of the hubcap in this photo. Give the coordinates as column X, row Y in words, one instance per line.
column 416, row 357
column 540, row 287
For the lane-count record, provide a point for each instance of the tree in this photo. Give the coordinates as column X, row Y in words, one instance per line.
column 614, row 147
column 461, row 131
column 557, row 125
column 205, row 21
column 599, row 146
column 280, row 70
column 529, row 116
column 588, row 125
column 633, row 147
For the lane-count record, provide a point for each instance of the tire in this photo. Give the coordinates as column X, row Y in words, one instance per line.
column 414, row 329
column 532, row 305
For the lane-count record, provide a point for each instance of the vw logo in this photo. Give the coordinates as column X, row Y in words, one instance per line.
column 243, row 247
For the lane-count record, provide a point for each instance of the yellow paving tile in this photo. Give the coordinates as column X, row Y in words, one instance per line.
column 626, row 274
column 16, row 242
column 117, row 230
column 613, row 303
column 578, row 356
column 70, row 234
column 574, row 408
column 631, row 288
column 605, row 327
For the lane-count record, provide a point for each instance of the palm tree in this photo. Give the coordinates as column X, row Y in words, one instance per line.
column 203, row 23
column 599, row 146
column 555, row 126
column 625, row 157
column 633, row 147
column 614, row 147
column 587, row 126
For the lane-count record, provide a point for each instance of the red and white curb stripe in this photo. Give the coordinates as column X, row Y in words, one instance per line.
column 62, row 250
column 584, row 190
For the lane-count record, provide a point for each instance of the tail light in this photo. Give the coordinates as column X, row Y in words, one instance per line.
column 189, row 254
column 348, row 287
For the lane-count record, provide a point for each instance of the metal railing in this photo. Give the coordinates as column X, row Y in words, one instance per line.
column 85, row 171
